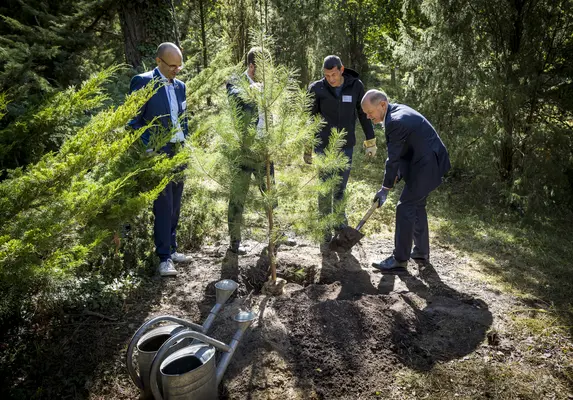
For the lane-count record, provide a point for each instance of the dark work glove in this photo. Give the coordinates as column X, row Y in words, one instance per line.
column 381, row 196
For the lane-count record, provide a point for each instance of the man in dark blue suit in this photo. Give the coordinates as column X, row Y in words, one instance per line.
column 416, row 154
column 168, row 104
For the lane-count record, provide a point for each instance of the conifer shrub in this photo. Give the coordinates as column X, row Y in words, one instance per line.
column 67, row 212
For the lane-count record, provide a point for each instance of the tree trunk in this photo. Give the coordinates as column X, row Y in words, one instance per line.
column 506, row 158
column 506, row 147
column 270, row 217
column 145, row 25
column 202, row 18
column 202, row 12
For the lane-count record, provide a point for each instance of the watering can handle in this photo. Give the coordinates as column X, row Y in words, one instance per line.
column 373, row 208
column 135, row 377
column 158, row 359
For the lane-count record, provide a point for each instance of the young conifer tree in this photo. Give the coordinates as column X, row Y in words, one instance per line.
column 274, row 136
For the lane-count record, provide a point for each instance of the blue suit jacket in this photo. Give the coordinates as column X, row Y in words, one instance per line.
column 158, row 104
column 415, row 149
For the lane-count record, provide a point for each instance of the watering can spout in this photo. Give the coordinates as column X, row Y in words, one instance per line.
column 224, row 290
column 244, row 319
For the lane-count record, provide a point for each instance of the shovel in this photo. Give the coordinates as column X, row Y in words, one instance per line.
column 348, row 237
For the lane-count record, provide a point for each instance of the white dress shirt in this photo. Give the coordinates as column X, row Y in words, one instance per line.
column 173, row 108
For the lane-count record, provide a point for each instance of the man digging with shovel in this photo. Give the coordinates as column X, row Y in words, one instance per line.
column 417, row 154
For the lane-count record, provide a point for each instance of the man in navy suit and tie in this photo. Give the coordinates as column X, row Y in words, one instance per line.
column 168, row 104
column 416, row 154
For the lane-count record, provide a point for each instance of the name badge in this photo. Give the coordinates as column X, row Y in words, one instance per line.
column 347, row 99
column 184, row 105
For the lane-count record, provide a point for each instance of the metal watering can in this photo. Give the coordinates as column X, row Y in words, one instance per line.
column 148, row 343
column 191, row 372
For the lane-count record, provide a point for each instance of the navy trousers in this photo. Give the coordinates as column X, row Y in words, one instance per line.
column 166, row 209
column 411, row 224
column 326, row 204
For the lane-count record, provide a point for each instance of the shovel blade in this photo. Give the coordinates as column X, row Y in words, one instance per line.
column 344, row 240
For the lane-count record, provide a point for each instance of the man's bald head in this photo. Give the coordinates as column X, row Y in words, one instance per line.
column 169, row 59
column 375, row 104
column 374, row 96
column 167, row 47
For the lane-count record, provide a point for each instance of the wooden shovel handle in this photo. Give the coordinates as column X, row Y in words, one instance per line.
column 368, row 214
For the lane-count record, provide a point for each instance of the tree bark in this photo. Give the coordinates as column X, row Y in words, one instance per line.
column 145, row 25
column 202, row 12
column 270, row 218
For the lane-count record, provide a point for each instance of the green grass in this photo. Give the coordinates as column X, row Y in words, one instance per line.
column 530, row 257
column 479, row 378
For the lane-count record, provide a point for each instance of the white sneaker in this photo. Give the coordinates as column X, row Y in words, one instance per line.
column 166, row 268
column 181, row 258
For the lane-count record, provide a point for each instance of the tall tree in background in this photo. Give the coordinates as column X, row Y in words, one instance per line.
column 46, row 46
column 294, row 25
column 344, row 27
column 237, row 17
column 200, row 26
column 383, row 34
column 497, row 76
column 145, row 24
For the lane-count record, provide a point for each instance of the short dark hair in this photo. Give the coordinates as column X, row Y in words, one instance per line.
column 252, row 55
column 331, row 62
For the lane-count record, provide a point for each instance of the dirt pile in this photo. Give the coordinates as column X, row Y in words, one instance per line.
column 344, row 335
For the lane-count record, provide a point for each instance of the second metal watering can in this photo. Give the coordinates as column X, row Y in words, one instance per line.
column 190, row 372
column 149, row 341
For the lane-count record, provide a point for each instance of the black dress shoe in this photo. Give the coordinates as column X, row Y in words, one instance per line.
column 390, row 264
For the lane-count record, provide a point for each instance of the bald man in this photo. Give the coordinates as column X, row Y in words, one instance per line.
column 417, row 154
column 168, row 104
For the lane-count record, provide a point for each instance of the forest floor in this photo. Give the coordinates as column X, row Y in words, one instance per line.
column 490, row 318
column 342, row 330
